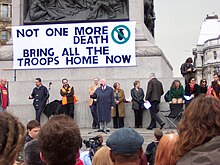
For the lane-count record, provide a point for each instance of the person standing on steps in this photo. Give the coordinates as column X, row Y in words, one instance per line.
column 105, row 103
column 92, row 103
column 40, row 95
column 4, row 96
column 137, row 94
column 67, row 93
column 153, row 95
column 118, row 112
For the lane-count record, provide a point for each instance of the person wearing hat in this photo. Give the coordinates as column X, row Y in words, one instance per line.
column 126, row 147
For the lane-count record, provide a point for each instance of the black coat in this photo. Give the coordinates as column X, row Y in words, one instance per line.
column 40, row 96
column 154, row 90
column 203, row 90
column 184, row 67
column 105, row 100
column 53, row 108
column 137, row 98
column 195, row 91
column 151, row 152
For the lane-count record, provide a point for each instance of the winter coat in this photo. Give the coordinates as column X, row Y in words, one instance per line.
column 176, row 93
column 207, row 154
column 121, row 108
column 137, row 98
column 40, row 95
column 154, row 90
column 195, row 91
column 105, row 100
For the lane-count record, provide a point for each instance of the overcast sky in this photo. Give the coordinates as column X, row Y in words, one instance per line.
column 178, row 25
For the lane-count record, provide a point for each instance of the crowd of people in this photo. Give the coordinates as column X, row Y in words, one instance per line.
column 59, row 141
column 178, row 94
column 107, row 103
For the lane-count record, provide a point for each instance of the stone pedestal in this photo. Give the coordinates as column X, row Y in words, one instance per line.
column 150, row 59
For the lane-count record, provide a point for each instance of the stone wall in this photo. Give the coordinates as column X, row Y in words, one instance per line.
column 150, row 59
column 20, row 89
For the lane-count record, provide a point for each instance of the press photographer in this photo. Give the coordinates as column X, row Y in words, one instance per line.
column 93, row 144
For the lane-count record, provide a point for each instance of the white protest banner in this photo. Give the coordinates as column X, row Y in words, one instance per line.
column 108, row 44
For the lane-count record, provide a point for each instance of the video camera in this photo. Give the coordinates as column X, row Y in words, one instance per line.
column 93, row 143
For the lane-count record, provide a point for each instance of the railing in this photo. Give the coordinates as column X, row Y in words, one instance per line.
column 212, row 42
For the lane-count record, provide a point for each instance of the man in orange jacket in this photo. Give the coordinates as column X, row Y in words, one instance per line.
column 67, row 93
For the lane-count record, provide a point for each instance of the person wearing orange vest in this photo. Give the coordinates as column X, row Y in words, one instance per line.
column 67, row 93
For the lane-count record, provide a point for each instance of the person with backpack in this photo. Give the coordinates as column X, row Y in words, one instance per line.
column 152, row 147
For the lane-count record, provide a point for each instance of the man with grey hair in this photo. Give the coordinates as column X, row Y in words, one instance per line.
column 105, row 102
column 32, row 153
column 154, row 93
column 4, row 96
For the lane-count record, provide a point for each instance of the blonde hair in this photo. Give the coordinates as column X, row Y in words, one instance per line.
column 102, row 157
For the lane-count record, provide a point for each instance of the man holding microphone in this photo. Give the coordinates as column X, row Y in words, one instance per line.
column 105, row 102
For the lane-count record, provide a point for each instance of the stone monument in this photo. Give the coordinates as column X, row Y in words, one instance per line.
column 76, row 10
column 149, row 57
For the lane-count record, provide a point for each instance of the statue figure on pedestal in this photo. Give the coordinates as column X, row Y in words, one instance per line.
column 74, row 10
column 149, row 15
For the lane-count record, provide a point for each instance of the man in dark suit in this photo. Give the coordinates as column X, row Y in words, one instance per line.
column 154, row 93
column 105, row 102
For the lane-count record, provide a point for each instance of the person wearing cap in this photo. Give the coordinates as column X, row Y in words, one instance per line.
column 127, row 150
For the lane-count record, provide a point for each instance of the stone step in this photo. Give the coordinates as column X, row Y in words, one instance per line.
column 83, row 116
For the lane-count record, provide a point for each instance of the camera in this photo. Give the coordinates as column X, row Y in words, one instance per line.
column 93, row 143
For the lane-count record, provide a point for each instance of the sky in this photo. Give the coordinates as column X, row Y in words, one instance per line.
column 178, row 25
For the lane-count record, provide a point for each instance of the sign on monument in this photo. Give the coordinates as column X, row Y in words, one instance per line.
column 79, row 45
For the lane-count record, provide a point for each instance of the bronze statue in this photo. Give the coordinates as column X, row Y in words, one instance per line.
column 108, row 6
column 149, row 15
column 37, row 10
column 74, row 10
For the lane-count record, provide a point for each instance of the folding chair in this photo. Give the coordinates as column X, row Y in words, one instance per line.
column 175, row 114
